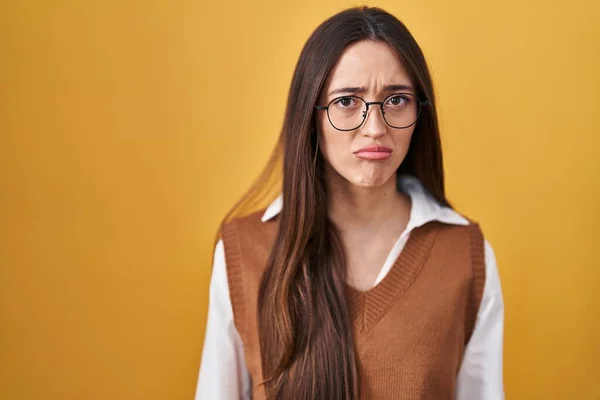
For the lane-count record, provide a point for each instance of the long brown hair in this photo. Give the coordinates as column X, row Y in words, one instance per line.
column 305, row 329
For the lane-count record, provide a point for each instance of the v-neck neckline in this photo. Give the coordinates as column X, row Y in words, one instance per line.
column 367, row 307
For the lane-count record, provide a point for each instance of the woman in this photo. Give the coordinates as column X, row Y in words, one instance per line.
column 359, row 281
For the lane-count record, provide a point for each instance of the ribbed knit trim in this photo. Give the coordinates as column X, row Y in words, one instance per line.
column 368, row 307
column 235, row 274
column 478, row 283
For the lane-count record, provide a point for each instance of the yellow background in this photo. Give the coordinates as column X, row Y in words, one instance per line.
column 128, row 129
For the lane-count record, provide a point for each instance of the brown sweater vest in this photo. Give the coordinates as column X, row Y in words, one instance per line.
column 410, row 330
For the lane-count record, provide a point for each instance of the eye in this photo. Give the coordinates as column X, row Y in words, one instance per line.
column 398, row 100
column 345, row 102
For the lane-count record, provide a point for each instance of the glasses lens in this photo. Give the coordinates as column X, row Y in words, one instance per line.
column 346, row 113
column 401, row 110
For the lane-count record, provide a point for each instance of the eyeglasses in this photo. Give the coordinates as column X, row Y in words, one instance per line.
column 399, row 111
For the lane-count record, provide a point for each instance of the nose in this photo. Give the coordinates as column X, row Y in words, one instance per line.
column 374, row 126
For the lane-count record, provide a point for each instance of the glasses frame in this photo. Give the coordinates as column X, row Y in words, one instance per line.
column 420, row 103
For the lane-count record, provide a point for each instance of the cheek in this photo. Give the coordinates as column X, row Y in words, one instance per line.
column 402, row 140
column 331, row 141
column 332, row 147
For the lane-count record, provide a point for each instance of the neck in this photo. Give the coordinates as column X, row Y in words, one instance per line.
column 351, row 207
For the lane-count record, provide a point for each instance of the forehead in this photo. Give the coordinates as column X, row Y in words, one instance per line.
column 367, row 63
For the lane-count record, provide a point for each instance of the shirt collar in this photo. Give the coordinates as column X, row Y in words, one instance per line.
column 424, row 208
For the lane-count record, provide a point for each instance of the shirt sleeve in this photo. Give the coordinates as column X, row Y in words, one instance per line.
column 480, row 375
column 223, row 372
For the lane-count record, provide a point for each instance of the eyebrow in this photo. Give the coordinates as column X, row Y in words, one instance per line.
column 362, row 89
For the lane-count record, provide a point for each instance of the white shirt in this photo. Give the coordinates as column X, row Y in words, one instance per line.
column 223, row 373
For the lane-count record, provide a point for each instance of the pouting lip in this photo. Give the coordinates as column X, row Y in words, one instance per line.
column 375, row 149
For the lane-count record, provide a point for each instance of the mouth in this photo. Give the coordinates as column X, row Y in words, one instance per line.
column 374, row 153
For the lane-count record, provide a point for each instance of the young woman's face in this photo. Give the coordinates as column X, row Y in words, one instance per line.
column 370, row 70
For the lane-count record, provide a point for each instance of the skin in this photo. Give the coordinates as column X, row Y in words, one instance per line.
column 362, row 197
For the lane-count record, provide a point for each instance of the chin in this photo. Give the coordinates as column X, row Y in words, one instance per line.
column 373, row 179
column 370, row 182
